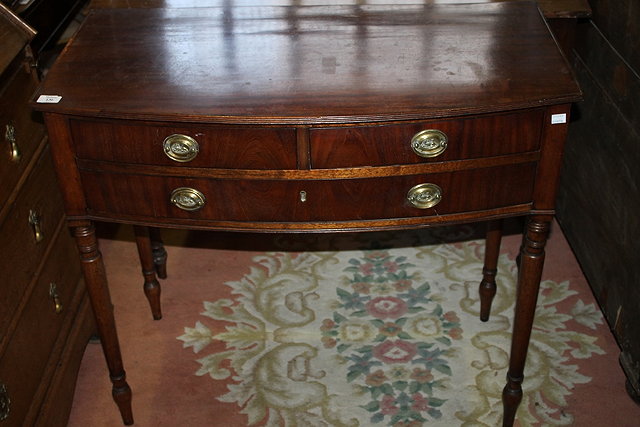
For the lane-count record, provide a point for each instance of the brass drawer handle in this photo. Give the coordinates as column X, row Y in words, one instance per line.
column 188, row 199
column 5, row 402
column 429, row 143
column 53, row 293
column 10, row 137
column 424, row 196
column 35, row 220
column 181, row 148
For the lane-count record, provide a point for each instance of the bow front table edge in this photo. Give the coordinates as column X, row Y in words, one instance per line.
column 310, row 119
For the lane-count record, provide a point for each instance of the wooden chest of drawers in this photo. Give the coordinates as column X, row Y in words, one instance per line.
column 44, row 313
column 309, row 119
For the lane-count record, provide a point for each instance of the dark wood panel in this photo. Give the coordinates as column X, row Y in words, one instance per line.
column 391, row 144
column 619, row 22
column 599, row 196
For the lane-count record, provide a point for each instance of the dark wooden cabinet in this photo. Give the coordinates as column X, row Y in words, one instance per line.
column 45, row 317
column 599, row 196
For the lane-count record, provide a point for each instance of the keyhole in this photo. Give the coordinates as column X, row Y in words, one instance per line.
column 303, row 196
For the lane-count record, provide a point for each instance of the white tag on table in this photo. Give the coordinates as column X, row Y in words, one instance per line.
column 556, row 119
column 48, row 99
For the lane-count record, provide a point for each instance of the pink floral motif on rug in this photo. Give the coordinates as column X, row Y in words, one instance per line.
column 387, row 337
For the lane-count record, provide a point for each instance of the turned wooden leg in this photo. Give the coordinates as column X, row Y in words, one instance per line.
column 151, row 285
column 487, row 287
column 529, row 274
column 98, row 290
column 159, row 252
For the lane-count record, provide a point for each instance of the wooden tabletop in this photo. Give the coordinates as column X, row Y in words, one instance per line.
column 550, row 8
column 310, row 65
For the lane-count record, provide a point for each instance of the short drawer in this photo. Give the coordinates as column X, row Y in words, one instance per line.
column 186, row 145
column 25, row 358
column 21, row 130
column 26, row 232
column 139, row 196
column 471, row 138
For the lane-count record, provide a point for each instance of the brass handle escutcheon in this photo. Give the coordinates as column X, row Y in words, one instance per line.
column 53, row 293
column 429, row 143
column 181, row 148
column 10, row 137
column 188, row 199
column 35, row 220
column 5, row 402
column 424, row 196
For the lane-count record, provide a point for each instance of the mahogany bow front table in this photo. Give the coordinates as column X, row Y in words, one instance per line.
column 309, row 119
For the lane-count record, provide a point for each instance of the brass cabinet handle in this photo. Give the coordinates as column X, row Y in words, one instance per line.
column 10, row 137
column 35, row 220
column 181, row 148
column 187, row 199
column 424, row 196
column 5, row 402
column 429, row 143
column 53, row 293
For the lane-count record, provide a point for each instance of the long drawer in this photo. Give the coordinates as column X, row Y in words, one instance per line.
column 38, row 327
column 304, row 200
column 27, row 232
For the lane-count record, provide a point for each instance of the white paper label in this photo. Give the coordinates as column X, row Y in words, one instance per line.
column 49, row 99
column 558, row 118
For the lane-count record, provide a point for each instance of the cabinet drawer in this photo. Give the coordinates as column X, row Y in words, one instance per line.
column 492, row 135
column 25, row 358
column 217, row 146
column 19, row 123
column 139, row 196
column 20, row 252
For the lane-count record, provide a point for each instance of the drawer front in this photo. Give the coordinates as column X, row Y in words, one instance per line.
column 21, row 131
column 22, row 250
column 25, row 358
column 215, row 146
column 139, row 196
column 472, row 138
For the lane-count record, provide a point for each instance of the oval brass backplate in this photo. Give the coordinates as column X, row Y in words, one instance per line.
column 424, row 196
column 429, row 143
column 187, row 199
column 180, row 148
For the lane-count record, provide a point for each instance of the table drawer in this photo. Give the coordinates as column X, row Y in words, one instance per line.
column 491, row 135
column 140, row 196
column 21, row 250
column 210, row 146
column 23, row 362
column 21, row 130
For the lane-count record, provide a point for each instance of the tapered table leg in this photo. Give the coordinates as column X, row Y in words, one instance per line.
column 487, row 288
column 98, row 290
column 151, row 285
column 529, row 275
column 159, row 252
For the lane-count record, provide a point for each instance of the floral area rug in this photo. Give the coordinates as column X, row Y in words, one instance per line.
column 387, row 334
